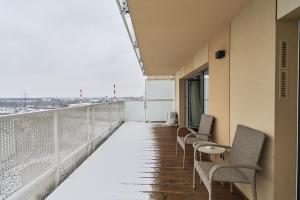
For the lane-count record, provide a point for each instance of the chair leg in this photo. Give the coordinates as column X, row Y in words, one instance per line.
column 254, row 191
column 210, row 195
column 184, row 157
column 176, row 148
column 194, row 177
column 231, row 190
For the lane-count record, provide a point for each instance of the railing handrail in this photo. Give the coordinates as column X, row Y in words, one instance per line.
column 57, row 109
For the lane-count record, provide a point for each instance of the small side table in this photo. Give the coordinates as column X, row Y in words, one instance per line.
column 211, row 150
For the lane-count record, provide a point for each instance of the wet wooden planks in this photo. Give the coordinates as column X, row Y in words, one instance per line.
column 170, row 180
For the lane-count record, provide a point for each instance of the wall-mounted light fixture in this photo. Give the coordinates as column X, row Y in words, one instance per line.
column 220, row 54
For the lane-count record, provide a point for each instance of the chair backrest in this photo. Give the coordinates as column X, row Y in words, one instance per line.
column 205, row 125
column 246, row 148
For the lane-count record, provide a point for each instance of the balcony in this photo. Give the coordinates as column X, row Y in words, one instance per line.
column 235, row 60
column 39, row 152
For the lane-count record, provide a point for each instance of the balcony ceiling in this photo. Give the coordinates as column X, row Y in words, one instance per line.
column 170, row 32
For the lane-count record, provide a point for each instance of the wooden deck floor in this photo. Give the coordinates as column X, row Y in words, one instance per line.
column 138, row 162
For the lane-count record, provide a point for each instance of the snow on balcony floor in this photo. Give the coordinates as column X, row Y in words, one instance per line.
column 137, row 162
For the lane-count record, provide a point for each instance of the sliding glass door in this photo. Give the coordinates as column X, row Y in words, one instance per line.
column 196, row 97
column 205, row 91
column 195, row 108
column 298, row 118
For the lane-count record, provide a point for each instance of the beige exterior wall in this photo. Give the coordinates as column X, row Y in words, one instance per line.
column 179, row 101
column 286, row 118
column 160, row 77
column 219, row 86
column 243, row 89
column 192, row 66
column 252, row 82
column 286, row 6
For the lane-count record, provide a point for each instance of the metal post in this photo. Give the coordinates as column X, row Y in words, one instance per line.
column 119, row 109
column 145, row 101
column 88, row 129
column 93, row 128
column 109, row 117
column 56, row 150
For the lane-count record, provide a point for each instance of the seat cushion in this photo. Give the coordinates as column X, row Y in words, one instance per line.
column 224, row 174
column 190, row 140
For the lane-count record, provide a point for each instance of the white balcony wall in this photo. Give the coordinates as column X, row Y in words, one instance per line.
column 134, row 111
column 39, row 150
column 159, row 110
column 159, row 102
column 160, row 99
column 160, row 89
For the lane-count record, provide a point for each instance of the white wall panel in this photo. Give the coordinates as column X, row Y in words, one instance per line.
column 160, row 89
column 134, row 111
column 159, row 110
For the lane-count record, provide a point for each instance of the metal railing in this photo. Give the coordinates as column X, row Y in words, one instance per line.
column 39, row 150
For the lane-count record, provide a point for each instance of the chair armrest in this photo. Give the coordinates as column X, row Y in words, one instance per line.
column 194, row 132
column 193, row 127
column 216, row 167
column 189, row 128
column 189, row 135
column 179, row 128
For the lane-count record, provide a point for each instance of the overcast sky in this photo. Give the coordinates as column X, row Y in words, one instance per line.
column 56, row 47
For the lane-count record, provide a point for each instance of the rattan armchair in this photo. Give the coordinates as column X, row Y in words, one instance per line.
column 203, row 134
column 243, row 159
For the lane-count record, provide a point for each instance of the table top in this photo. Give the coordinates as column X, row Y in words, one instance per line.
column 211, row 149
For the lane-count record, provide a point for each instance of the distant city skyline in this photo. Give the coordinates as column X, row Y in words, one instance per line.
column 55, row 48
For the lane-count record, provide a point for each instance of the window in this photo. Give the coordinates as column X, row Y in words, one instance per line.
column 205, row 92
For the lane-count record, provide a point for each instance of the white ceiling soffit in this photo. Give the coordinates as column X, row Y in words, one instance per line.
column 170, row 32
